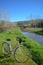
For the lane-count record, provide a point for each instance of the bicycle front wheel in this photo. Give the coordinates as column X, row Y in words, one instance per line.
column 21, row 54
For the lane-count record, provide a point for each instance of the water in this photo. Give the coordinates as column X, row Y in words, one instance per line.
column 38, row 38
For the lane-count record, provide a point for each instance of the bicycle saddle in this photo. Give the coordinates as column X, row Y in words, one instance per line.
column 8, row 39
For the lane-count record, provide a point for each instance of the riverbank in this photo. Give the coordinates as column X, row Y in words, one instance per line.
column 34, row 30
column 39, row 32
column 35, row 48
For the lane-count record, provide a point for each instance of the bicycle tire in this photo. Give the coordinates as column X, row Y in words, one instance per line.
column 5, row 48
column 25, row 51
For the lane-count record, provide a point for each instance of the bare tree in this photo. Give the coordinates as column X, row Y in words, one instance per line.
column 38, row 18
column 6, row 19
column 31, row 18
column 6, row 16
column 0, row 14
column 4, row 24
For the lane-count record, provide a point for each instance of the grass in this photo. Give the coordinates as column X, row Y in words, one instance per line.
column 35, row 30
column 33, row 46
column 39, row 32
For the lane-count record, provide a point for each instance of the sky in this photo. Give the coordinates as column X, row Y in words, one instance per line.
column 20, row 10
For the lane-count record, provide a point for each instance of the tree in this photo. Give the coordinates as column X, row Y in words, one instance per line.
column 4, row 24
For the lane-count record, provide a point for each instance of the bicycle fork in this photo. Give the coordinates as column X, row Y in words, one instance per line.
column 20, row 49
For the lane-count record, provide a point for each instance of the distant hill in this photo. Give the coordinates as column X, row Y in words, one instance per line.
column 30, row 23
column 4, row 25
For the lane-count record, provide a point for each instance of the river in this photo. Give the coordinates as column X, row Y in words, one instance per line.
column 34, row 36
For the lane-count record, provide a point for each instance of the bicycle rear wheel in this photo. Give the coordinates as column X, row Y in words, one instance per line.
column 21, row 54
column 5, row 48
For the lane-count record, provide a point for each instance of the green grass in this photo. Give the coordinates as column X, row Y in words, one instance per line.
column 39, row 32
column 29, row 43
column 35, row 30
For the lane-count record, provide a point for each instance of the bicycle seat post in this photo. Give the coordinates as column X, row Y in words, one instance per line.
column 9, row 44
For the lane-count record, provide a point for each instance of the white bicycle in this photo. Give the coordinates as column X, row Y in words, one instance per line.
column 21, row 53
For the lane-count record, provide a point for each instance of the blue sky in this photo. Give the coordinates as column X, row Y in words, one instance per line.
column 22, row 9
